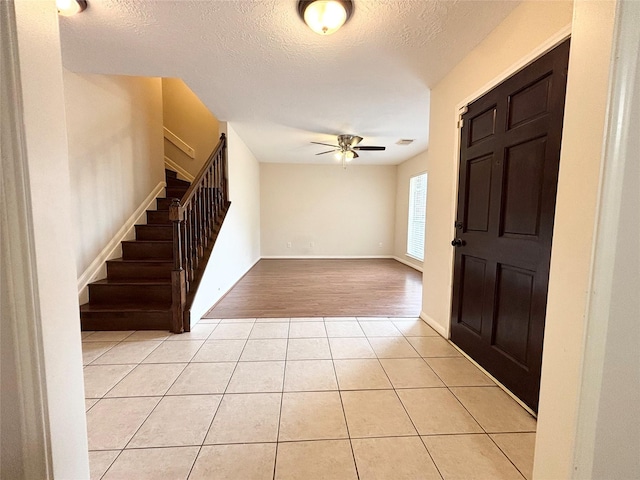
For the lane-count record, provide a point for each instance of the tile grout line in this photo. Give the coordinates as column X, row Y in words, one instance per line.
column 161, row 396
column 286, row 361
column 344, row 413
column 142, row 423
column 506, row 456
column 146, row 418
column 481, row 426
column 284, row 377
column 204, row 439
column 112, row 463
column 411, row 419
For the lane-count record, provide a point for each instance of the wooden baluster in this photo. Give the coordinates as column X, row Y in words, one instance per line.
column 205, row 211
column 209, row 206
column 200, row 222
column 218, row 186
column 199, row 212
column 189, row 241
column 225, row 180
column 178, row 292
column 194, row 243
column 215, row 189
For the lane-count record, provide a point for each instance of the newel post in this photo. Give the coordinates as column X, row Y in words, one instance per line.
column 178, row 284
column 225, row 169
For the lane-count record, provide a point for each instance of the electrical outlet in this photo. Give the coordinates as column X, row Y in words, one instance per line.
column 288, row 244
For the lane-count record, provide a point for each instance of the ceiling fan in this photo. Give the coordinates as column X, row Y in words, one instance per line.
column 346, row 148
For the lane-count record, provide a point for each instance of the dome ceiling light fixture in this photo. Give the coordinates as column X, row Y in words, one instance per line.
column 325, row 16
column 67, row 8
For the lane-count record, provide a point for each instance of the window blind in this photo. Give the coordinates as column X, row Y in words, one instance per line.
column 417, row 216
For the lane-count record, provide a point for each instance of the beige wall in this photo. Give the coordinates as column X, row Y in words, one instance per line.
column 405, row 171
column 115, row 154
column 187, row 117
column 522, row 34
column 608, row 439
column 48, row 193
column 524, row 30
column 341, row 212
column 237, row 247
column 573, row 236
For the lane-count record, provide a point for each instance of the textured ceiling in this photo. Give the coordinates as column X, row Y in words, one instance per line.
column 256, row 64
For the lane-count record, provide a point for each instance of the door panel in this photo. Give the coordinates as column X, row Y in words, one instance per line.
column 482, row 126
column 473, row 278
column 479, row 188
column 530, row 102
column 509, row 158
column 524, row 167
column 513, row 311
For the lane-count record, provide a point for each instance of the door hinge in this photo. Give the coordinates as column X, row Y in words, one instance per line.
column 461, row 112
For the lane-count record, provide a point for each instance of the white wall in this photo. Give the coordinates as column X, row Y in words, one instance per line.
column 237, row 247
column 342, row 212
column 114, row 128
column 405, row 171
column 49, row 188
column 524, row 30
column 187, row 117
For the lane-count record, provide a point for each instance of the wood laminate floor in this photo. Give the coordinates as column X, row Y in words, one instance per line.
column 311, row 288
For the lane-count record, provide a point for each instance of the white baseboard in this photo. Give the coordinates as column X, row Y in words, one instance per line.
column 98, row 267
column 408, row 263
column 443, row 331
column 178, row 169
column 323, row 257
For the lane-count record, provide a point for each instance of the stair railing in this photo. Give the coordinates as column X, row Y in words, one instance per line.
column 196, row 220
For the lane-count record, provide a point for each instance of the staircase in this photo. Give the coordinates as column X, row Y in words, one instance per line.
column 137, row 293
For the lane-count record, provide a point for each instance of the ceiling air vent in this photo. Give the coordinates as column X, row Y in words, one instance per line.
column 405, row 141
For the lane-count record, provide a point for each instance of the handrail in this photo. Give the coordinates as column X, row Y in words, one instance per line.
column 196, row 219
column 196, row 181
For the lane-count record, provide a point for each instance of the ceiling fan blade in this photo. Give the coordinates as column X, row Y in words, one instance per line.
column 328, row 151
column 370, row 148
column 326, row 144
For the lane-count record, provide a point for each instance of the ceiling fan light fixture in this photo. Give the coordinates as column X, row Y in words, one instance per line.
column 325, row 16
column 68, row 8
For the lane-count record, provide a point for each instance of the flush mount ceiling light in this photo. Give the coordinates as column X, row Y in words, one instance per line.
column 67, row 8
column 325, row 16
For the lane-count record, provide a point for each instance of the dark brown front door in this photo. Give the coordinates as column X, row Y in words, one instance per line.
column 509, row 157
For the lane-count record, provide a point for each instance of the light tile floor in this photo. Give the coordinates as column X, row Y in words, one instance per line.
column 310, row 398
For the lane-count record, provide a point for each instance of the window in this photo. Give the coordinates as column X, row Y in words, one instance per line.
column 417, row 215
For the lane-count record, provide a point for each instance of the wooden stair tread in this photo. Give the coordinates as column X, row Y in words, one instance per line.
column 152, row 261
column 149, row 241
column 137, row 293
column 132, row 281
column 124, row 307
